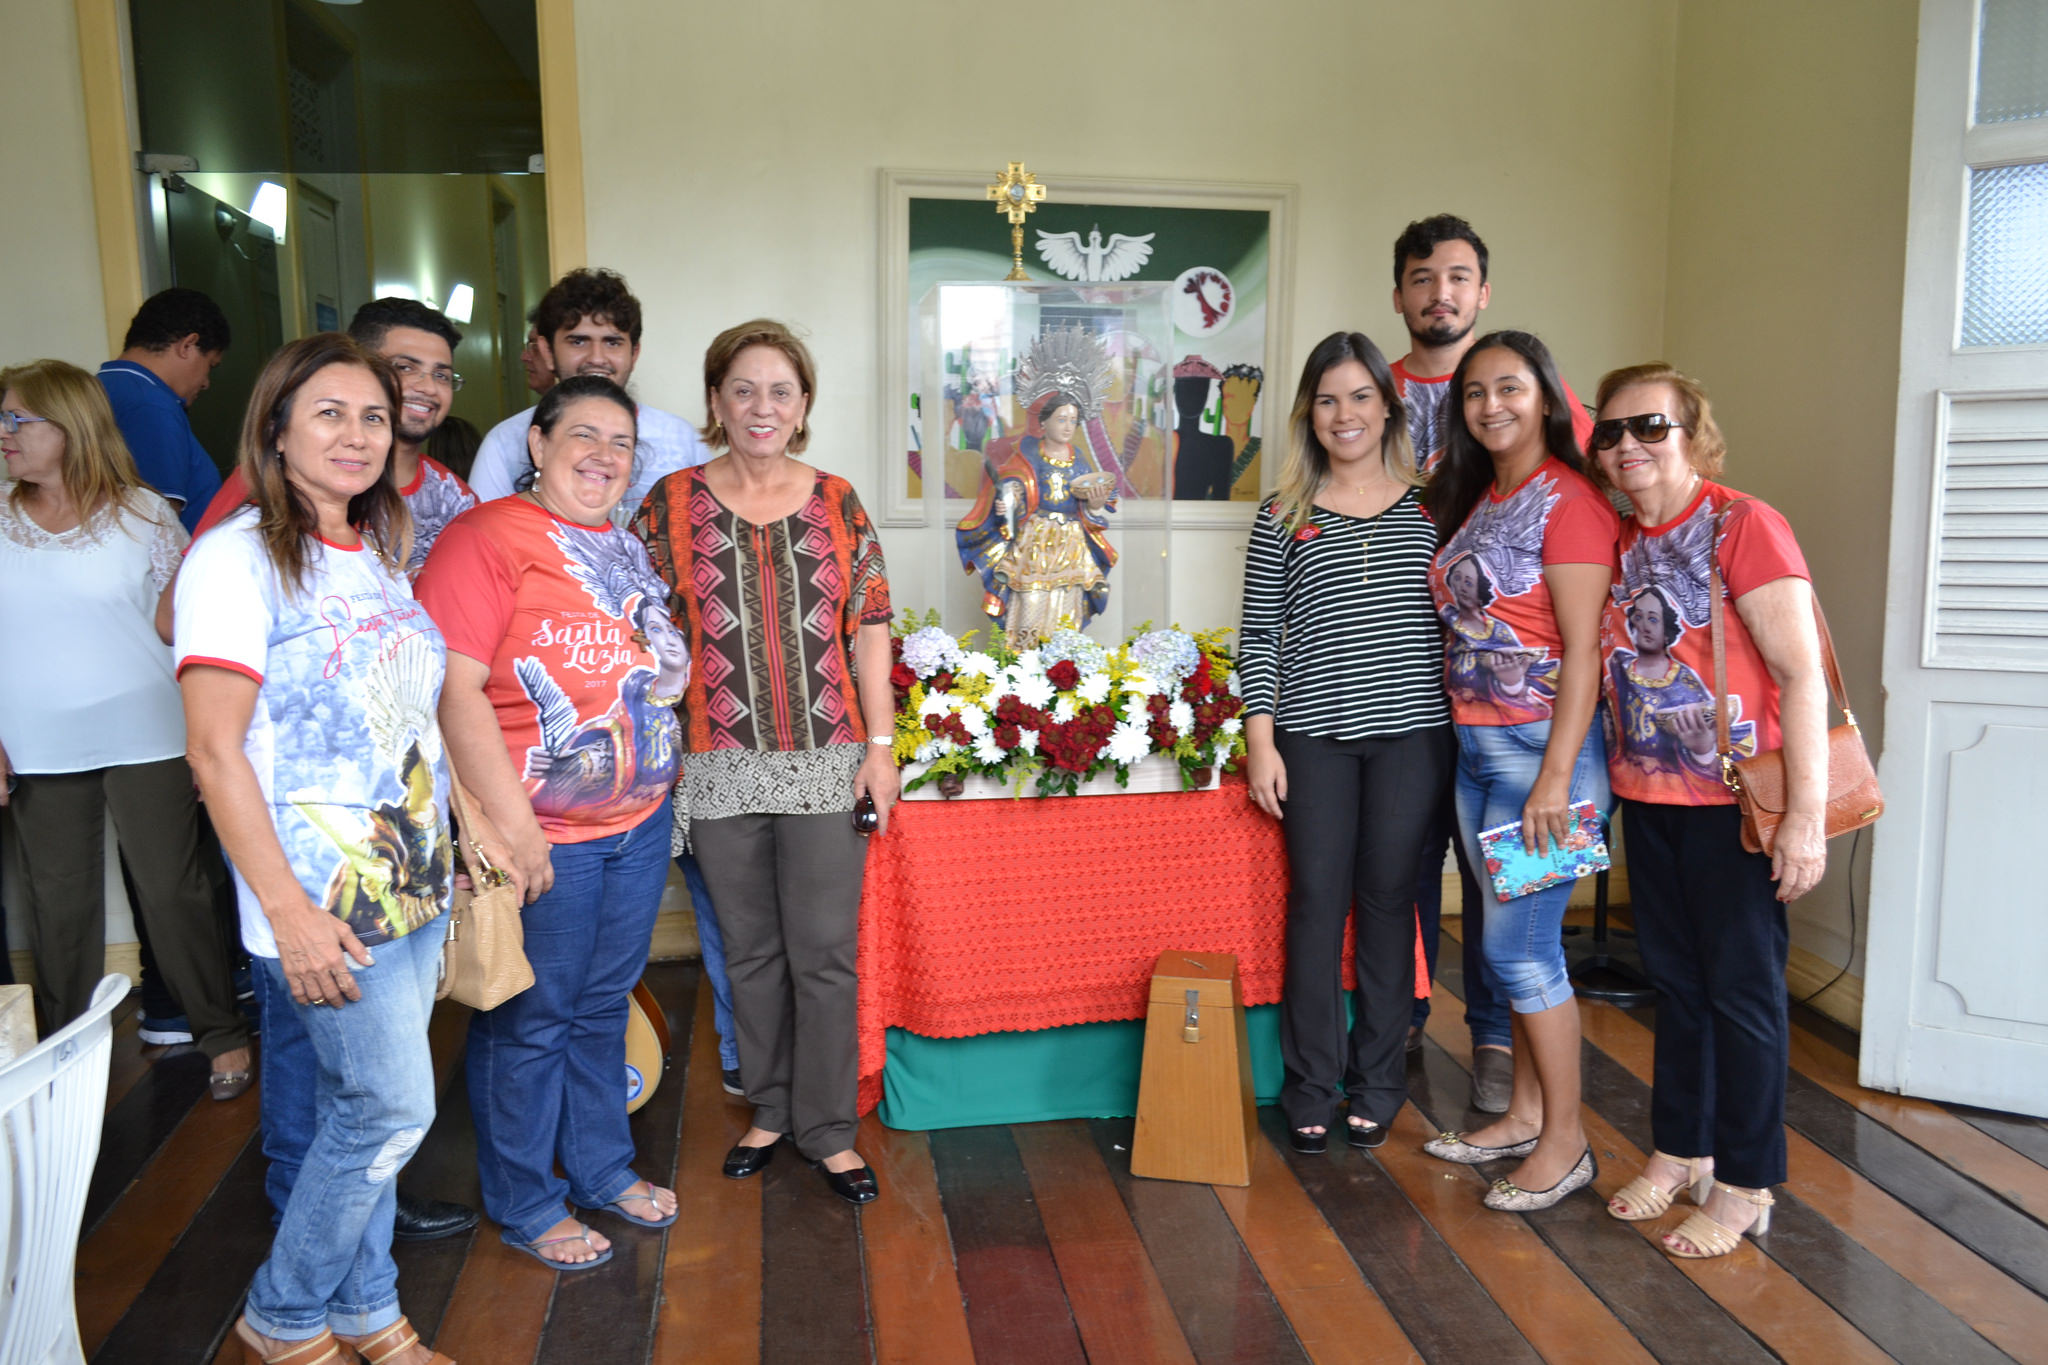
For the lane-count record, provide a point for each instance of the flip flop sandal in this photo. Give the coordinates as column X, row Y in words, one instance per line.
column 533, row 1249
column 618, row 1206
column 392, row 1342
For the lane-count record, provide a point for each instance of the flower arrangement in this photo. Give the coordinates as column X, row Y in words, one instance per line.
column 1062, row 712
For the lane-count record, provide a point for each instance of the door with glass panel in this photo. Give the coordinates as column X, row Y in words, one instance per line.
column 1956, row 981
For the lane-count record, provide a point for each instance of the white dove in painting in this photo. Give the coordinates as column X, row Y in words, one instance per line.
column 1094, row 261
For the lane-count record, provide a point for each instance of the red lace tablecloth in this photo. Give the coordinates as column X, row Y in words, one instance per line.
column 987, row 916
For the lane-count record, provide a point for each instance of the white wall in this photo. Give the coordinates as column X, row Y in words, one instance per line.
column 731, row 166
column 50, row 295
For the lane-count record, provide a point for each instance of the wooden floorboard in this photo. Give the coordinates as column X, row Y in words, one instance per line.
column 1224, row 1306
column 1905, row 1230
column 130, row 1061
column 605, row 1316
column 710, row 1308
column 1119, row 1305
column 913, row 1287
column 1335, row 1314
column 1016, row 1304
column 2010, row 1316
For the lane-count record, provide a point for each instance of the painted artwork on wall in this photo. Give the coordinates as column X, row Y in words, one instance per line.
column 1198, row 408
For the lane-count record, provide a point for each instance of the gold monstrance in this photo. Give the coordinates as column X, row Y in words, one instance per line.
column 1017, row 193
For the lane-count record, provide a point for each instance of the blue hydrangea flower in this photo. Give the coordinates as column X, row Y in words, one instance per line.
column 1071, row 645
column 928, row 650
column 1167, row 656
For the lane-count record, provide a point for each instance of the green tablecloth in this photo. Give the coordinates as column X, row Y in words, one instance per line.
column 1080, row 1071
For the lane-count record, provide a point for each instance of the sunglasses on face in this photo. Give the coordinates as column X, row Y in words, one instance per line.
column 1648, row 427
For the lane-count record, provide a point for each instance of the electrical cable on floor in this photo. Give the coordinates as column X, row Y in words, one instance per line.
column 1855, row 842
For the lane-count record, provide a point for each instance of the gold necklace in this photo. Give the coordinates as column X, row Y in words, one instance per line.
column 1365, row 542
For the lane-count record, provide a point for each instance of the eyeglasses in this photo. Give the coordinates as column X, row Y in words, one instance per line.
column 1647, row 427
column 440, row 374
column 12, row 422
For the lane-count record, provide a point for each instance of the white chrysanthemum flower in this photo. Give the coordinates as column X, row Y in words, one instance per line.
column 1128, row 743
column 1028, row 662
column 987, row 750
column 975, row 719
column 1094, row 688
column 1034, row 691
column 1141, row 684
column 1134, row 712
column 930, row 749
column 1232, row 726
column 1027, row 741
column 1181, row 716
column 978, row 664
column 934, row 704
column 1231, row 682
column 1063, row 710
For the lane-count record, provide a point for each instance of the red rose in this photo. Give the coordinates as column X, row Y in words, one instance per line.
column 1064, row 675
column 902, row 676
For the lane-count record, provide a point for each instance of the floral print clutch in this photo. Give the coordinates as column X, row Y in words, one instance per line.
column 1518, row 872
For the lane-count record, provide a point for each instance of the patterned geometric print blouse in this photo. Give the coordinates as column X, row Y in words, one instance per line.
column 772, row 611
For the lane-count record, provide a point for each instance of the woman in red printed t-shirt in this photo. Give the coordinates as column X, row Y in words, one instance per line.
column 1709, row 920
column 1521, row 575
column 563, row 674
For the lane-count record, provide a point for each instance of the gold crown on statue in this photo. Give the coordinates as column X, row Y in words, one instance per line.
column 1070, row 360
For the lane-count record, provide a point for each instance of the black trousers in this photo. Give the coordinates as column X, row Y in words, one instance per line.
column 1714, row 940
column 1357, row 819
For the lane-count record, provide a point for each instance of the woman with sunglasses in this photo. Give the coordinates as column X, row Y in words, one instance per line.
column 90, row 723
column 1511, row 499
column 1710, row 917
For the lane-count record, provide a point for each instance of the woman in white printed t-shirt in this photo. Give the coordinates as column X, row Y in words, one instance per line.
column 311, row 681
column 90, row 724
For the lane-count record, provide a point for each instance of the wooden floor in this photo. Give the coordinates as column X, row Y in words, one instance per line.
column 1908, row 1231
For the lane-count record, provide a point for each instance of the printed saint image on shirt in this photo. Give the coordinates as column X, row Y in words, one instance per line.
column 1662, row 708
column 627, row 754
column 1496, row 557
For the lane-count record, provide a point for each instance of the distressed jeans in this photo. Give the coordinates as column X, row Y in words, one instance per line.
column 373, row 1101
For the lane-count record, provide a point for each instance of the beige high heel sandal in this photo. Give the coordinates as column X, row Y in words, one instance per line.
column 1711, row 1237
column 1646, row 1199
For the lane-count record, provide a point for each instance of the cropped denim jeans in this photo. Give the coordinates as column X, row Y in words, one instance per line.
column 547, row 1069
column 373, row 1101
column 1497, row 765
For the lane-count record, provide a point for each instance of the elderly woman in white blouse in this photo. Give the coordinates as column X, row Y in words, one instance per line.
column 91, row 723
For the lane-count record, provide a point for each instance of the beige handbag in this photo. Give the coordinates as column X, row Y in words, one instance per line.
column 484, row 961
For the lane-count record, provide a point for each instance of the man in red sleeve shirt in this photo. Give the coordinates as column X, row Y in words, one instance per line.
column 1440, row 289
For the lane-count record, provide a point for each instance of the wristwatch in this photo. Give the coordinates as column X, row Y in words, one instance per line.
column 886, row 741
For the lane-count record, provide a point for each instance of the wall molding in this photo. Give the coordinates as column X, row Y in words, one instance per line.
column 110, row 143
column 561, row 125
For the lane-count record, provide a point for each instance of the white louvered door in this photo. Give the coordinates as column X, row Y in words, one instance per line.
column 1955, row 1002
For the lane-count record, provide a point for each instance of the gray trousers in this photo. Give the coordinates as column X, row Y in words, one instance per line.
column 62, row 820
column 787, row 888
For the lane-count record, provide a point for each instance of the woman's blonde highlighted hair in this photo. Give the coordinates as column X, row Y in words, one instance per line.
column 1307, row 467
column 98, row 471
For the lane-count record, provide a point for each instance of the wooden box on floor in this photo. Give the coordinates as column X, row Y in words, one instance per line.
column 1196, row 1116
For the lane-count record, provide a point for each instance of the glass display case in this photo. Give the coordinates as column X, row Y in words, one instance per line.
column 1046, row 416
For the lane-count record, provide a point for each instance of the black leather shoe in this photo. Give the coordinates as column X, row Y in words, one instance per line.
column 1307, row 1143
column 423, row 1220
column 1366, row 1138
column 742, row 1162
column 856, row 1186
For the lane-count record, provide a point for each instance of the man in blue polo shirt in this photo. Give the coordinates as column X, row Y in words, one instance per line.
column 166, row 361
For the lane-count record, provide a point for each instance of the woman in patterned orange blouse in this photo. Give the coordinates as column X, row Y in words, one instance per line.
column 778, row 576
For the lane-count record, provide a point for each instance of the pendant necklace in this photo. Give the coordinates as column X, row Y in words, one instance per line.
column 1365, row 543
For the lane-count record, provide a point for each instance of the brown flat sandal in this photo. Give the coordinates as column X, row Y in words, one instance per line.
column 320, row 1350
column 389, row 1344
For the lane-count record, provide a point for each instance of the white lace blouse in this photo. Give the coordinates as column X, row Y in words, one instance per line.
column 84, row 681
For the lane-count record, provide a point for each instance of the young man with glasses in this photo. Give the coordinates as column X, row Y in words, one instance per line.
column 589, row 323
column 420, row 343
column 1440, row 289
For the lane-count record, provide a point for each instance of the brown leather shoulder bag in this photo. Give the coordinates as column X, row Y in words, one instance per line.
column 1853, row 799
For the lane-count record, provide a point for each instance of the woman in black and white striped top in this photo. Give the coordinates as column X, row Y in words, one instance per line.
column 1351, row 746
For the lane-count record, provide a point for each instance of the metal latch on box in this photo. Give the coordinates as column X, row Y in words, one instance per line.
column 1191, row 1026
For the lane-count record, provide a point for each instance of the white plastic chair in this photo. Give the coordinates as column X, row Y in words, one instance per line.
column 52, row 1102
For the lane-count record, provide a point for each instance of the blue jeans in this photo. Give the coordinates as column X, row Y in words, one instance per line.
column 1486, row 1004
column 547, row 1069
column 711, row 942
column 288, row 1068
column 372, row 1079
column 1497, row 765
